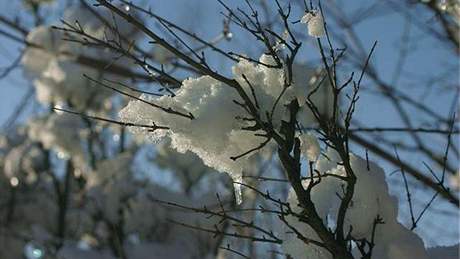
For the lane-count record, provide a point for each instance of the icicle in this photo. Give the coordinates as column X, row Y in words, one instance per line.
column 237, row 179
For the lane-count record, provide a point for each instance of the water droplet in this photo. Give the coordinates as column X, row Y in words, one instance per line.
column 32, row 251
column 229, row 36
column 77, row 173
column 116, row 137
column 134, row 239
column 58, row 106
column 14, row 181
column 443, row 5
column 83, row 245
column 62, row 155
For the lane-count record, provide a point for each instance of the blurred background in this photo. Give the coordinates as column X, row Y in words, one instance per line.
column 54, row 205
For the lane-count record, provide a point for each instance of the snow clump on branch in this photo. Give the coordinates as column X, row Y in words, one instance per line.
column 22, row 160
column 371, row 200
column 216, row 133
column 62, row 133
column 315, row 23
column 57, row 65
